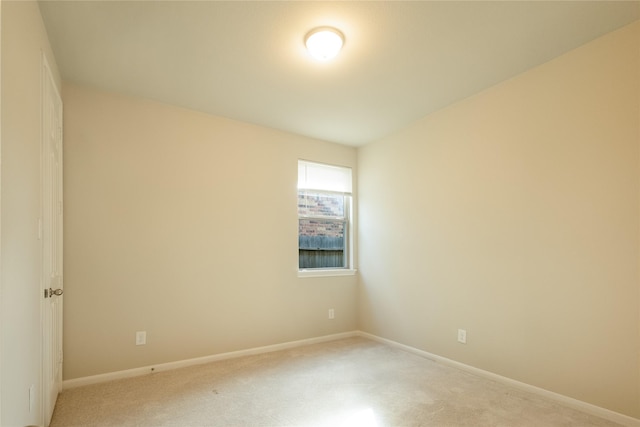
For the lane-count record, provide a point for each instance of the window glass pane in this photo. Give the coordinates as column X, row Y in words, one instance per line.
column 325, row 230
column 321, row 243
column 320, row 205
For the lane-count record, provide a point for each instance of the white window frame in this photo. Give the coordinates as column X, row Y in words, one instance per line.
column 342, row 186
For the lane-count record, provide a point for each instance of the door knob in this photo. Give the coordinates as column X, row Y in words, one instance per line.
column 48, row 293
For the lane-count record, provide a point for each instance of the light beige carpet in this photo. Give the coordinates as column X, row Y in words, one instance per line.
column 351, row 382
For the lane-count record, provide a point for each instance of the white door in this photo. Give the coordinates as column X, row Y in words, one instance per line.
column 51, row 241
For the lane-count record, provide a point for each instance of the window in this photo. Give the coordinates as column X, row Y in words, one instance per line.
column 324, row 217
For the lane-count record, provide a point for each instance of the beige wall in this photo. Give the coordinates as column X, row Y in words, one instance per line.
column 184, row 225
column 515, row 215
column 23, row 40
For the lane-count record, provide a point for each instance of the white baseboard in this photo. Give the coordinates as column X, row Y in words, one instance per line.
column 559, row 398
column 579, row 405
column 145, row 370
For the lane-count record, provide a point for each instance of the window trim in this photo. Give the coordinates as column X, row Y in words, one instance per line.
column 327, row 272
column 349, row 268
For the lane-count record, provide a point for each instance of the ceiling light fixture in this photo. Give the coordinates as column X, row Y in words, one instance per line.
column 324, row 43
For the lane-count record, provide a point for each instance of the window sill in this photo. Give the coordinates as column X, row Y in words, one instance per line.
column 327, row 272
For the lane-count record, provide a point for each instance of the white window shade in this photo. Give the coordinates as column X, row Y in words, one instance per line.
column 316, row 176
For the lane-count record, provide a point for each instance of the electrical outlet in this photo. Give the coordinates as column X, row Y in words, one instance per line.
column 462, row 336
column 332, row 313
column 141, row 337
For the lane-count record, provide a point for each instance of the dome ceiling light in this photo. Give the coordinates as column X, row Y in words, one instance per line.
column 324, row 43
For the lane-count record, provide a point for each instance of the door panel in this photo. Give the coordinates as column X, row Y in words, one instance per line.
column 51, row 241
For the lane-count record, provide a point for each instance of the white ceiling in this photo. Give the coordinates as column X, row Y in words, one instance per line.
column 246, row 60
